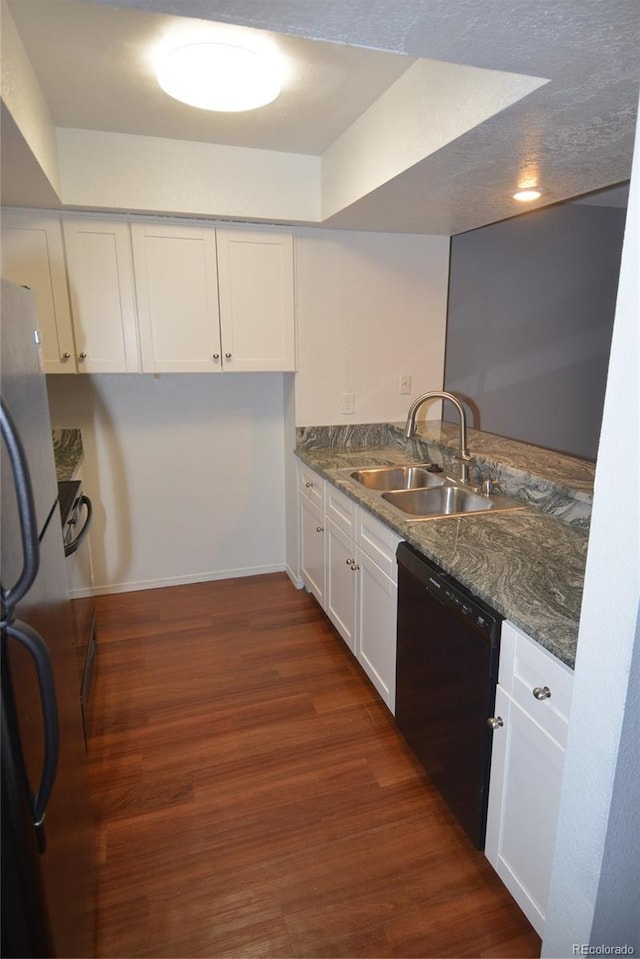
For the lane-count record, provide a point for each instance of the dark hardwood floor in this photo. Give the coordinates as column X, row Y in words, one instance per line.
column 254, row 799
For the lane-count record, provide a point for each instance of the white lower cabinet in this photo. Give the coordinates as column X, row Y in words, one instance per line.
column 313, row 540
column 532, row 700
column 376, row 635
column 358, row 590
column 341, row 582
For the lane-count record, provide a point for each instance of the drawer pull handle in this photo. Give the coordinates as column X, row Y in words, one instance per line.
column 542, row 692
column 495, row 722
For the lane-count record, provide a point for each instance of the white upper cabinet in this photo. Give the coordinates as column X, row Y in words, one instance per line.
column 33, row 256
column 177, row 291
column 103, row 306
column 255, row 276
column 214, row 300
column 118, row 296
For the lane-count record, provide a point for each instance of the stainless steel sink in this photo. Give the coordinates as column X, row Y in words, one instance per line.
column 415, row 493
column 445, row 500
column 397, row 478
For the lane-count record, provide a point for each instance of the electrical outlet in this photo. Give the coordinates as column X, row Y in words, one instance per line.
column 347, row 403
column 405, row 383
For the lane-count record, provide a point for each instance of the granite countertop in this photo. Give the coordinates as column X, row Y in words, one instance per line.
column 527, row 564
column 67, row 452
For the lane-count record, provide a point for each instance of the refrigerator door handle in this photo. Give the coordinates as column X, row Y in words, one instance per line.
column 36, row 646
column 71, row 547
column 28, row 523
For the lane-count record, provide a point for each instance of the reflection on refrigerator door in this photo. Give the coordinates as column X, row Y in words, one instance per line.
column 48, row 838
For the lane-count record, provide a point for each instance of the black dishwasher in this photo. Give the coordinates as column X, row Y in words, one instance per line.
column 446, row 675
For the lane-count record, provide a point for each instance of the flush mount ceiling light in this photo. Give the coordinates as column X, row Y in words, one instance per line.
column 220, row 76
column 526, row 196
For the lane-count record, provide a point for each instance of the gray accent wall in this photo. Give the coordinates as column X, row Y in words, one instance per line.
column 530, row 320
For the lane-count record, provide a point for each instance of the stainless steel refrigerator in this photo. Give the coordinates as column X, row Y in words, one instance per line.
column 48, row 839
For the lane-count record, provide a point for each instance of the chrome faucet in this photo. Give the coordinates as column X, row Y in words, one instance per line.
column 410, row 428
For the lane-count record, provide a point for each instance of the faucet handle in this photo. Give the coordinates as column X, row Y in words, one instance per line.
column 489, row 485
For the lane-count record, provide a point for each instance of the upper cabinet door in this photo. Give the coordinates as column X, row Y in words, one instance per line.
column 33, row 256
column 100, row 271
column 257, row 319
column 177, row 291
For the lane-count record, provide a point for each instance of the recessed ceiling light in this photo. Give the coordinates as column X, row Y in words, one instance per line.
column 525, row 196
column 220, row 76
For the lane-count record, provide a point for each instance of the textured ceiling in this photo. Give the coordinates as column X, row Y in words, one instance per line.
column 573, row 135
column 327, row 86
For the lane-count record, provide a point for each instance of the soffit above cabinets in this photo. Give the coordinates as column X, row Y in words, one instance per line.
column 405, row 117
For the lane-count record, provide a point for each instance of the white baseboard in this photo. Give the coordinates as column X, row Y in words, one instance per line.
column 177, row 581
column 295, row 578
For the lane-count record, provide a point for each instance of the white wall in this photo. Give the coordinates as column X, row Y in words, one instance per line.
column 120, row 171
column 404, row 125
column 292, row 536
column 23, row 98
column 370, row 306
column 186, row 473
column 593, row 897
column 194, row 475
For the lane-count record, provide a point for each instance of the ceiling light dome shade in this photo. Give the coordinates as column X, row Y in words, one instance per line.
column 220, row 76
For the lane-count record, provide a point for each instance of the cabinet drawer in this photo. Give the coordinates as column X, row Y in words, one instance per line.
column 379, row 543
column 527, row 672
column 312, row 486
column 340, row 509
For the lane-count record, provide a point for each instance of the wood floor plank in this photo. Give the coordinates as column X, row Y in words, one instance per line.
column 254, row 798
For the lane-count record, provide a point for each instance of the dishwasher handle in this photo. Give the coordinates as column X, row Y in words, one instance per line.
column 70, row 548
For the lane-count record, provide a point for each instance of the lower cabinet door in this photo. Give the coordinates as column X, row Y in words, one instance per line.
column 376, row 637
column 524, row 798
column 341, row 582
column 312, row 528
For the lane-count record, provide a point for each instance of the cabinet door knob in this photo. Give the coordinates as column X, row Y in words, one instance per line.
column 228, row 355
column 82, row 356
column 541, row 692
column 495, row 722
column 354, row 566
column 319, row 529
column 216, row 356
column 349, row 562
column 66, row 356
column 308, row 485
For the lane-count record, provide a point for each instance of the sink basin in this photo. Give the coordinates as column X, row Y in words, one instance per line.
column 445, row 500
column 397, row 478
